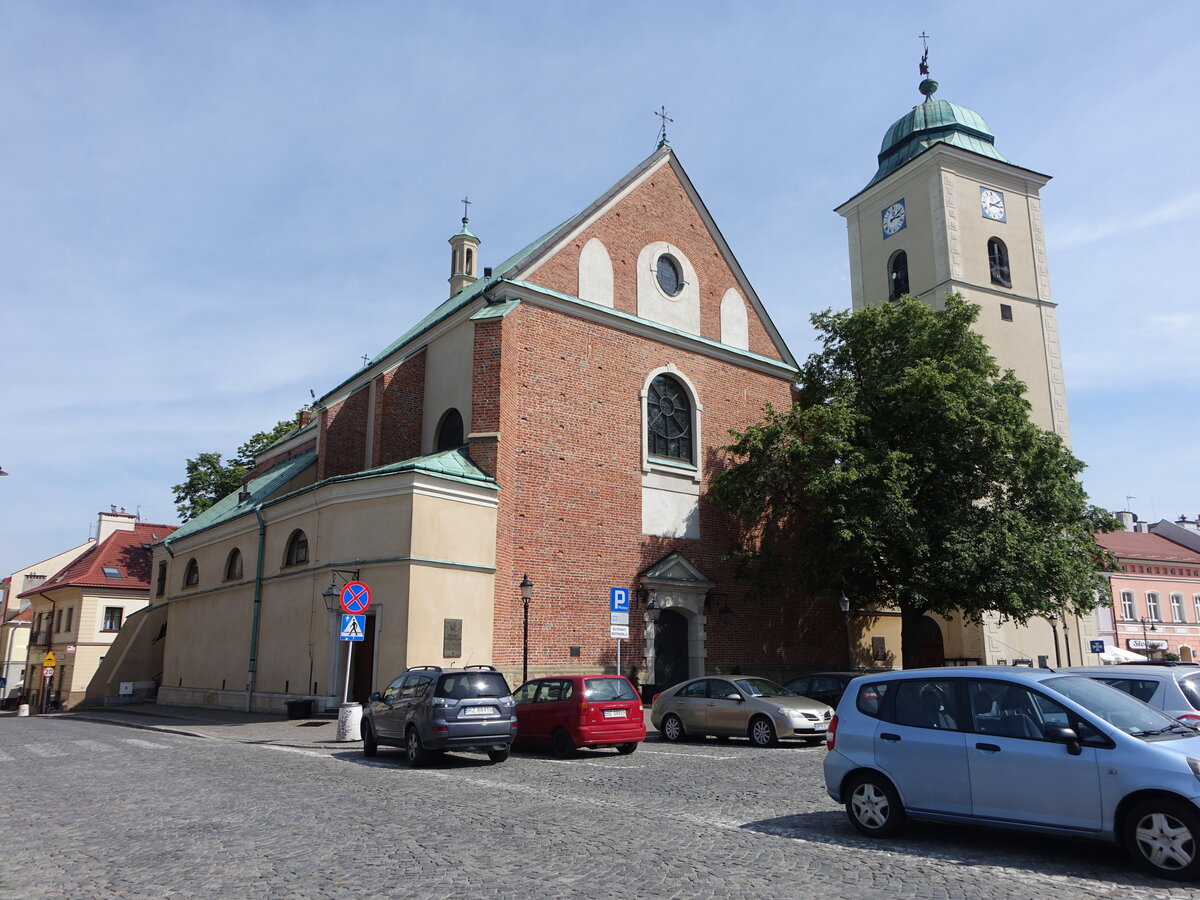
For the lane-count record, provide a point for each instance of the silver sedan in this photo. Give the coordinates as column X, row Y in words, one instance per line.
column 758, row 708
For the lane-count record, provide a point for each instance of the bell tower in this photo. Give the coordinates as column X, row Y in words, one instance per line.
column 464, row 255
column 947, row 213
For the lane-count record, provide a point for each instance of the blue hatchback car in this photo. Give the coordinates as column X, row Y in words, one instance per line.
column 1028, row 749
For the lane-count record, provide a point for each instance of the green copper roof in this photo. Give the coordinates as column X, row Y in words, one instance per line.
column 454, row 464
column 260, row 489
column 464, row 231
column 929, row 123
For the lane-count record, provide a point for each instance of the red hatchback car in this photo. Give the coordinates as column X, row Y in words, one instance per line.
column 567, row 712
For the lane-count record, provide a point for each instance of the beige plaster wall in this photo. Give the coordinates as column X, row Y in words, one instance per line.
column 448, row 361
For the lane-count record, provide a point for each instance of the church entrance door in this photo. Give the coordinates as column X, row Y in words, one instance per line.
column 930, row 649
column 670, row 649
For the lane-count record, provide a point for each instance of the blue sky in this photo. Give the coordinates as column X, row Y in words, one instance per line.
column 207, row 209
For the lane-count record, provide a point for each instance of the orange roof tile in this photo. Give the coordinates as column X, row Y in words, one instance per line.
column 121, row 551
column 1143, row 545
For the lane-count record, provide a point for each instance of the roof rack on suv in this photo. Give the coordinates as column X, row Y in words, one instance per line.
column 489, row 668
column 427, row 668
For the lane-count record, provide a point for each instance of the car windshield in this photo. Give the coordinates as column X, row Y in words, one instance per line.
column 763, row 687
column 1113, row 706
column 608, row 689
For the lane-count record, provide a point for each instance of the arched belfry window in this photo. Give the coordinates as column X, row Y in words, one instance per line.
column 669, row 419
column 191, row 575
column 898, row 275
column 233, row 565
column 297, row 549
column 449, row 431
column 998, row 262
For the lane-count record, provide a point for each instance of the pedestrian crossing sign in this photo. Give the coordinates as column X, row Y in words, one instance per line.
column 353, row 627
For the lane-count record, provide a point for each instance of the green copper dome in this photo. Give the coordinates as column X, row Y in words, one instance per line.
column 929, row 123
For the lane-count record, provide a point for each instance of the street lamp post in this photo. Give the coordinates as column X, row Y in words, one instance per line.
column 844, row 604
column 526, row 587
column 1053, row 620
column 1145, row 638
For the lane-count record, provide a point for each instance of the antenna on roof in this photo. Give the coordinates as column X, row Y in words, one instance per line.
column 661, row 112
column 1128, row 507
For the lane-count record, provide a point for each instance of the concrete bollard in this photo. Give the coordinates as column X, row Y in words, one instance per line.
column 349, row 722
column 23, row 709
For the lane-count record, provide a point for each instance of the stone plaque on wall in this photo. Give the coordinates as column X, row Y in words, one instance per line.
column 451, row 638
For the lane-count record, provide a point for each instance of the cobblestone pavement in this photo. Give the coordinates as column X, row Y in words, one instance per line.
column 97, row 811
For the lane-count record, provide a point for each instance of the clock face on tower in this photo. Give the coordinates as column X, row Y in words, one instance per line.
column 893, row 218
column 991, row 204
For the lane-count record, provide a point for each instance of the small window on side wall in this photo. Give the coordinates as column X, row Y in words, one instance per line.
column 191, row 575
column 233, row 565
column 898, row 275
column 449, row 431
column 1006, row 312
column 297, row 549
column 998, row 262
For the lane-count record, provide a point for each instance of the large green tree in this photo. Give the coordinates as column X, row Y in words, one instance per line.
column 208, row 479
column 908, row 474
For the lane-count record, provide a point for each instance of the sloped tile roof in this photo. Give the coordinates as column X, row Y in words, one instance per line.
column 1139, row 545
column 122, row 551
column 25, row 615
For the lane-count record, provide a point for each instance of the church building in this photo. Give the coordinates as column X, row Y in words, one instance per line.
column 544, row 436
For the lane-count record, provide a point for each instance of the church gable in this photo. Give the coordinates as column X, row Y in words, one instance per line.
column 649, row 248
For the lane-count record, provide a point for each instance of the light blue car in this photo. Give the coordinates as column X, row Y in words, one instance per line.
column 1027, row 749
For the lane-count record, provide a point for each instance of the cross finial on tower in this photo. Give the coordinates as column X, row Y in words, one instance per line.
column 465, row 203
column 924, row 56
column 662, row 131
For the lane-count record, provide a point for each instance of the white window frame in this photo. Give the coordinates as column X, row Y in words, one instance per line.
column 1153, row 610
column 1177, row 608
column 1128, row 606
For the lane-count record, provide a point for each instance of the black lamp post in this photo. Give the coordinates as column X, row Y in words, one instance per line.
column 526, row 587
column 1053, row 620
column 844, row 604
column 1145, row 639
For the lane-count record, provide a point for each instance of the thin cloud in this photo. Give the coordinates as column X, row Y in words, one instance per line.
column 1174, row 210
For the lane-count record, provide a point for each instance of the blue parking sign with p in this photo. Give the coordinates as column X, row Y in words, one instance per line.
column 618, row 599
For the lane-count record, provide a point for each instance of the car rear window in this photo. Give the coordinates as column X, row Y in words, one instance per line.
column 608, row 689
column 465, row 685
column 870, row 698
column 1191, row 689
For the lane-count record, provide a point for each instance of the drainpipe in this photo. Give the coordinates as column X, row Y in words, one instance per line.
column 258, row 576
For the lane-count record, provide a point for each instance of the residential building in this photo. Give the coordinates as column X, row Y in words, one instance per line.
column 15, row 618
column 1156, row 590
column 78, row 610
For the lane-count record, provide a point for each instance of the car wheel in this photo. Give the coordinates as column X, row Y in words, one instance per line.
column 1162, row 835
column 561, row 743
column 414, row 749
column 672, row 729
column 498, row 755
column 762, row 732
column 873, row 805
column 626, row 749
column 370, row 745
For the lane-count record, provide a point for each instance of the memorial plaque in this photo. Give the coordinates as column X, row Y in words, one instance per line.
column 451, row 638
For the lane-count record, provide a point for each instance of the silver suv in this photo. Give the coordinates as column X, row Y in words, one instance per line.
column 429, row 710
column 1173, row 689
column 1032, row 749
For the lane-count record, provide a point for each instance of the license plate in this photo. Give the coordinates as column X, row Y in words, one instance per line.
column 479, row 711
column 614, row 714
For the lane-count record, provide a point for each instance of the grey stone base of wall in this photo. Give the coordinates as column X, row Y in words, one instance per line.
column 272, row 704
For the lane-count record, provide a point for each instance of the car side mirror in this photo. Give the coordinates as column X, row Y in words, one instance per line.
column 734, row 696
column 1062, row 734
column 375, row 697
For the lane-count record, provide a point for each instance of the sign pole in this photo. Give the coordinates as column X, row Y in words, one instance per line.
column 618, row 656
column 346, row 686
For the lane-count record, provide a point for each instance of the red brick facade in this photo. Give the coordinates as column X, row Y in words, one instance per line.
column 399, row 408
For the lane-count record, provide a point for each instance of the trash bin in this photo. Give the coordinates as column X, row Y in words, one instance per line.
column 299, row 709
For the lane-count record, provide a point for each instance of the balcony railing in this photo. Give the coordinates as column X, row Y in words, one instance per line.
column 39, row 639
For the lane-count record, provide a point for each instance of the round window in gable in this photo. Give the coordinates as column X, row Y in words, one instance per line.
column 666, row 270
